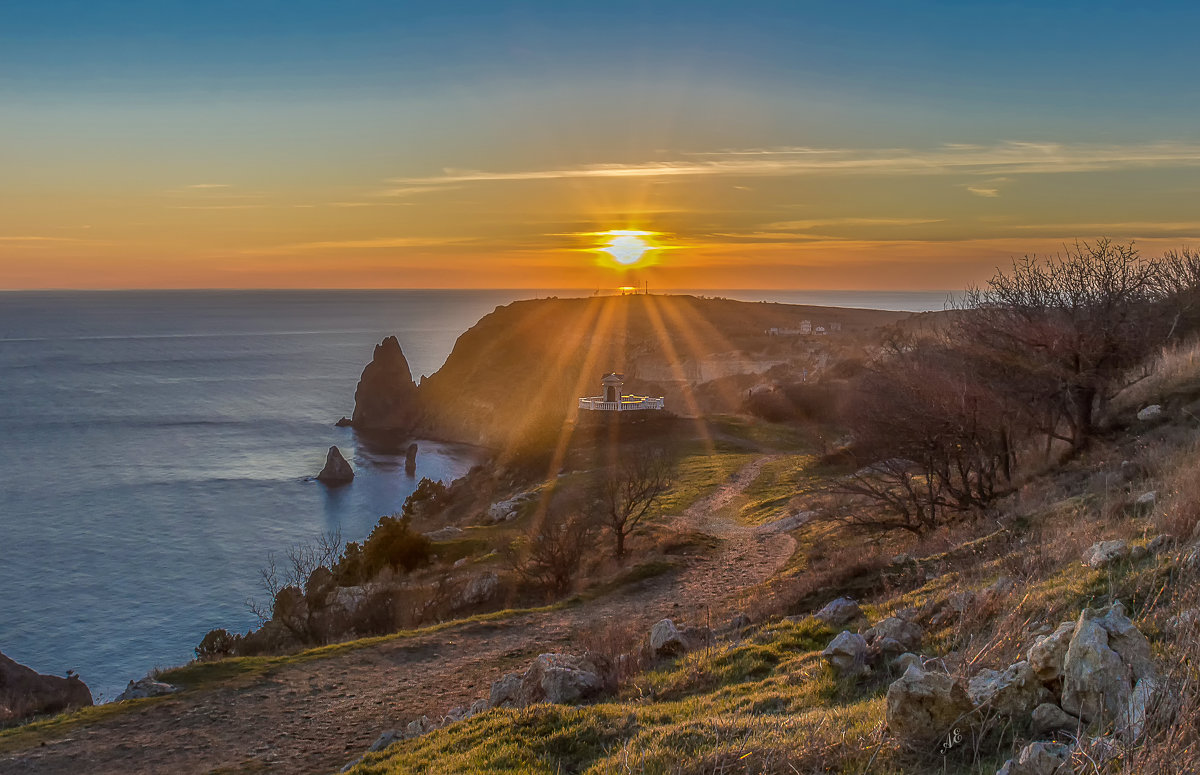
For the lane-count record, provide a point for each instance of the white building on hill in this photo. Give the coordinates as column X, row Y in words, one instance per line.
column 612, row 399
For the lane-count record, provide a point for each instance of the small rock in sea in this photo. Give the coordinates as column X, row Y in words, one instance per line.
column 1151, row 412
column 345, row 422
column 336, row 471
column 410, row 459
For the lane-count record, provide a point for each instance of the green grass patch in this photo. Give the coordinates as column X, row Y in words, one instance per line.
column 698, row 476
column 768, row 496
column 35, row 732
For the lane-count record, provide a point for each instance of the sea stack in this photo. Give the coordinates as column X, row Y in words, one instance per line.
column 386, row 397
column 336, row 471
column 410, row 459
column 25, row 693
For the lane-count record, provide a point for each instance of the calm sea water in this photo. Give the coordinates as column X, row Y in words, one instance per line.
column 155, row 446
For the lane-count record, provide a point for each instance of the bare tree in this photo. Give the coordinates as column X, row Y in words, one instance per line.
column 625, row 491
column 552, row 555
column 1071, row 326
column 300, row 561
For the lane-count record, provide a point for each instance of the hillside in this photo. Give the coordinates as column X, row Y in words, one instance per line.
column 518, row 372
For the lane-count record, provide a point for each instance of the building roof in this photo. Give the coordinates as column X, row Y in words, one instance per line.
column 613, row 379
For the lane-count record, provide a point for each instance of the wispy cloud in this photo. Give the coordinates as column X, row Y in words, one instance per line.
column 985, row 192
column 41, row 239
column 360, row 244
column 217, row 207
column 1010, row 158
column 209, row 185
column 1123, row 228
column 813, row 223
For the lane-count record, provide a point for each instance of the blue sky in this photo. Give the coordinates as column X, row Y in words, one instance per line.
column 111, row 110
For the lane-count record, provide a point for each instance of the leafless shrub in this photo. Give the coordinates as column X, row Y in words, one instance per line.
column 551, row 556
column 625, row 491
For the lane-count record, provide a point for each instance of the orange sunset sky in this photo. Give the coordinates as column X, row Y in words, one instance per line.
column 766, row 145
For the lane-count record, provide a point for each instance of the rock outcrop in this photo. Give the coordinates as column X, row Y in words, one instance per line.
column 25, row 692
column 146, row 687
column 1107, row 657
column 336, row 471
column 922, row 707
column 386, row 397
column 1039, row 758
column 666, row 640
column 564, row 679
column 839, row 612
column 847, row 654
column 1010, row 692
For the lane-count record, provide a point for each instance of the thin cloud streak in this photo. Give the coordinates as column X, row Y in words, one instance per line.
column 1015, row 158
column 364, row 244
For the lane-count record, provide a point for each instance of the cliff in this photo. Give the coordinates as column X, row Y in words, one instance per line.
column 517, row 373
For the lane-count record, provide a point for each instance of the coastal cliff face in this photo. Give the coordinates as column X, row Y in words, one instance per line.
column 386, row 397
column 25, row 692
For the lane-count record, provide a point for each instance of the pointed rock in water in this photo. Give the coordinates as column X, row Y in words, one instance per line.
column 410, row 459
column 337, row 470
column 386, row 397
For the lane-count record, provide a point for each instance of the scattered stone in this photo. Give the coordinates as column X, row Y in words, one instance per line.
column 906, row 635
column 146, row 687
column 1151, row 412
column 960, row 601
column 444, row 533
column 479, row 706
column 419, row 727
column 457, row 713
column 1105, row 553
column 839, row 612
column 1184, row 621
column 505, row 691
column 1096, row 683
column 698, row 637
column 480, row 589
column 1039, row 758
column 901, row 559
column 847, row 653
column 1010, row 692
column 666, row 640
column 1132, row 721
column 1147, row 498
column 998, row 588
column 901, row 663
column 1138, row 553
column 923, row 707
column 1048, row 718
column 1128, row 641
column 1047, row 654
column 506, row 510
column 336, row 471
column 1160, row 542
column 385, row 739
column 564, row 679
column 738, row 623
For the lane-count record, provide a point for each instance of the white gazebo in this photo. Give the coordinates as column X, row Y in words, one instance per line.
column 612, row 400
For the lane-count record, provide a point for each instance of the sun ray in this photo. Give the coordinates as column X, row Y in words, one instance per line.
column 676, row 366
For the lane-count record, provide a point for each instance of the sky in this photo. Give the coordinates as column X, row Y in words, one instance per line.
column 805, row 145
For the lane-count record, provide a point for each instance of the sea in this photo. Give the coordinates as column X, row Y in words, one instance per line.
column 157, row 446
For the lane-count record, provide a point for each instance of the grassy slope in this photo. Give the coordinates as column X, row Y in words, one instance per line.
column 769, row 704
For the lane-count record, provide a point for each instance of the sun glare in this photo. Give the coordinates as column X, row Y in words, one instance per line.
column 627, row 247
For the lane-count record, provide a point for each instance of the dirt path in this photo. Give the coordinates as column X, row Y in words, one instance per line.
column 314, row 717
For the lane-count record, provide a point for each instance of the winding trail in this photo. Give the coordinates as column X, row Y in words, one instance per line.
column 314, row 716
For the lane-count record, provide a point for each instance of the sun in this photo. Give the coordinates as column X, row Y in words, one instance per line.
column 627, row 247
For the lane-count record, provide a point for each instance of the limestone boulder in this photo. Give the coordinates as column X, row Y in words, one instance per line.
column 666, row 640
column 146, row 687
column 1013, row 691
column 1151, row 412
column 1128, row 641
column 1105, row 553
column 1096, row 683
column 1048, row 653
column 336, row 471
column 923, row 707
column 902, row 634
column 847, row 653
column 1131, row 723
column 480, row 589
column 839, row 612
column 565, row 679
column 505, row 691
column 1039, row 758
column 1048, row 718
